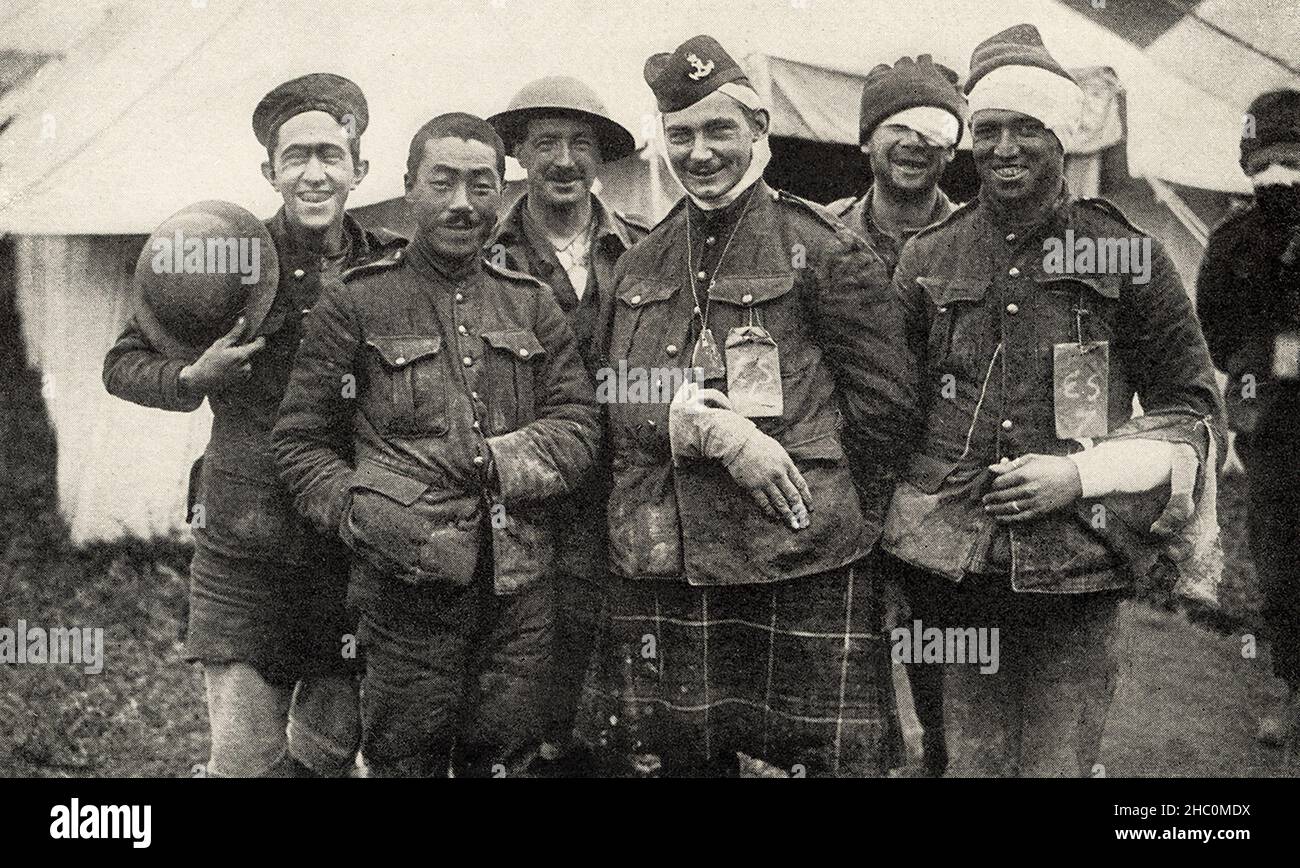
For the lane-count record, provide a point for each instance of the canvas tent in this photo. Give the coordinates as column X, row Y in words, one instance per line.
column 149, row 110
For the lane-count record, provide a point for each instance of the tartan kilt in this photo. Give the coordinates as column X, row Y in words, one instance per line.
column 794, row 673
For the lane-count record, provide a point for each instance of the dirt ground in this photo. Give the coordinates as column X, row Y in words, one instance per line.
column 1186, row 707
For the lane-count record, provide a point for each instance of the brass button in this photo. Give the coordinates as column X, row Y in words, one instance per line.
column 306, row 310
column 636, row 299
column 650, row 422
column 479, row 461
column 671, row 349
column 467, row 361
column 1014, row 272
column 474, row 395
column 299, row 273
column 943, row 309
column 1006, row 424
column 523, row 353
column 1013, row 309
column 1011, row 236
column 400, row 360
column 702, row 275
column 459, row 297
column 746, row 298
column 476, row 426
column 462, row 330
column 710, row 241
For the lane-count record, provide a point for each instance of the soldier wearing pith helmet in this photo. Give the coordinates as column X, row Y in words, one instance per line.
column 267, row 614
column 743, row 618
column 565, row 235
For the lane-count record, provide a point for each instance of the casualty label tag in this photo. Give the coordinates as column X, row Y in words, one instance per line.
column 753, row 372
column 1286, row 355
column 1081, row 389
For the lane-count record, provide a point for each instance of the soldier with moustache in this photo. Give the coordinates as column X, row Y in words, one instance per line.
column 437, row 405
column 267, row 616
column 565, row 235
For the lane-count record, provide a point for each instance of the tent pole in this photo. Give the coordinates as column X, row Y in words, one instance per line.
column 1169, row 197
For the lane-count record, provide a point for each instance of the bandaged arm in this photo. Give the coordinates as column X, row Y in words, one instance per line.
column 1129, row 466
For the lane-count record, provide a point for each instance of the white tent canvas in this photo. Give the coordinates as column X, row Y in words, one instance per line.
column 149, row 111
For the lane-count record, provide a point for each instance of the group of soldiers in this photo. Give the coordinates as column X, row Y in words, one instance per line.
column 408, row 448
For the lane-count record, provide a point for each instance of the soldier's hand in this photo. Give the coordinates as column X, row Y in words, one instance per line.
column 763, row 468
column 1030, row 487
column 224, row 364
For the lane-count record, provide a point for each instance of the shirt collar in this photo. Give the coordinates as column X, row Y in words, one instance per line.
column 513, row 228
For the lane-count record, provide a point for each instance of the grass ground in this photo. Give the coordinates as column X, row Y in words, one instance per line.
column 1186, row 707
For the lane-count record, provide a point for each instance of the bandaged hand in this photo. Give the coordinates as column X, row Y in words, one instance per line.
column 703, row 424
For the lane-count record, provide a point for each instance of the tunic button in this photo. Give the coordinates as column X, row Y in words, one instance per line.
column 462, row 330
column 478, row 461
column 523, row 353
column 1013, row 309
column 650, row 422
column 702, row 275
column 459, row 297
column 671, row 349
column 400, row 360
column 306, row 310
column 475, row 426
column 636, row 299
column 299, row 273
column 1006, row 424
column 467, row 361
column 1011, row 236
column 474, row 395
column 710, row 241
column 746, row 298
column 943, row 309
column 1014, row 272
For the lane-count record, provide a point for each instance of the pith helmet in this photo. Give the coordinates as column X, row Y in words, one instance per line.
column 562, row 95
column 202, row 269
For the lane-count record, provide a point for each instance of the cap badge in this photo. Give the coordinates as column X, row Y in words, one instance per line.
column 702, row 68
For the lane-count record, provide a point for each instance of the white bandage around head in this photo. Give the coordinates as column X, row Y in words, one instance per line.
column 1275, row 175
column 762, row 153
column 1053, row 99
column 938, row 127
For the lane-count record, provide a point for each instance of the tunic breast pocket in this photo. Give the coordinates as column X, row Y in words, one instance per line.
column 961, row 336
column 513, row 361
column 1077, row 309
column 407, row 385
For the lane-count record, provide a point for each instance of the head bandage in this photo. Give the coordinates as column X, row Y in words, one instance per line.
column 1054, row 100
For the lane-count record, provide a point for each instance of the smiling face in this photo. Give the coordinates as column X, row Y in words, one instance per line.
column 313, row 170
column 904, row 163
column 561, row 156
column 711, row 143
column 1018, row 159
column 454, row 196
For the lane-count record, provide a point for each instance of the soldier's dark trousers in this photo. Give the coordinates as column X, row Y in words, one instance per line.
column 1272, row 459
column 579, row 604
column 455, row 678
column 1058, row 661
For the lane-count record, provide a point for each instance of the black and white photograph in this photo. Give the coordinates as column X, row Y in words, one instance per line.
column 616, row 389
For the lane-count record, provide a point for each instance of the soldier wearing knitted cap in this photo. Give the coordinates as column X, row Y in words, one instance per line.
column 267, row 615
column 1035, row 498
column 1248, row 298
column 736, row 532
column 563, row 234
column 910, row 124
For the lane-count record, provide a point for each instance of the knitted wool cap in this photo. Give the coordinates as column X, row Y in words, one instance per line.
column 908, row 84
column 1273, row 117
column 1021, row 45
